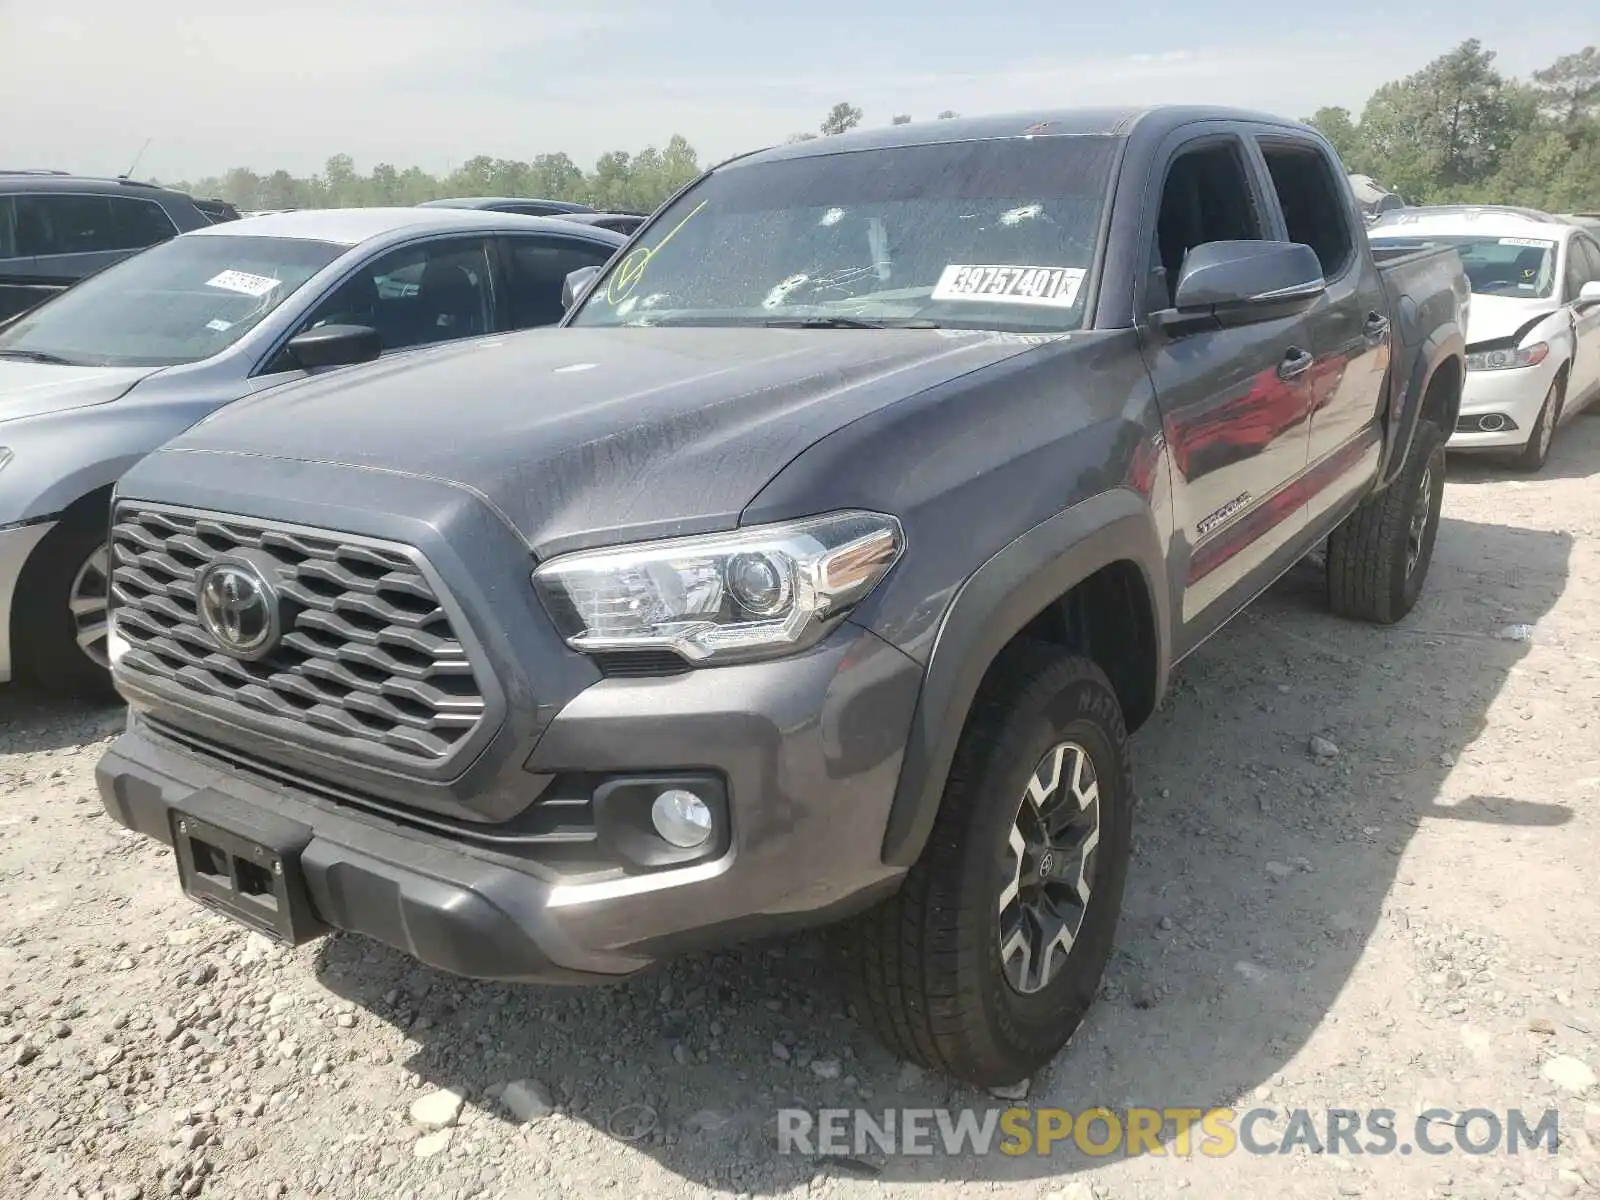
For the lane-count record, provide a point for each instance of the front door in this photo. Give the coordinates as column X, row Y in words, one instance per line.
column 1233, row 399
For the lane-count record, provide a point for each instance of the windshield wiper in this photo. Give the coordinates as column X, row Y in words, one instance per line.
column 38, row 356
column 852, row 323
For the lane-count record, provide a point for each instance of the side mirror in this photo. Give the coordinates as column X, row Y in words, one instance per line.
column 572, row 287
column 1589, row 293
column 1248, row 274
column 334, row 346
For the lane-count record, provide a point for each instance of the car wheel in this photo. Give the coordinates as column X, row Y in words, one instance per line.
column 1537, row 451
column 984, row 963
column 1378, row 556
column 58, row 626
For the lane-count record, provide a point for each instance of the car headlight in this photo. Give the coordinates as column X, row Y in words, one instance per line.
column 751, row 593
column 1501, row 360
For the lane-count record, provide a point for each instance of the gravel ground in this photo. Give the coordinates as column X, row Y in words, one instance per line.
column 1359, row 881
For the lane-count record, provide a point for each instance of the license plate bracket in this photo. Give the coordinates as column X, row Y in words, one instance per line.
column 247, row 869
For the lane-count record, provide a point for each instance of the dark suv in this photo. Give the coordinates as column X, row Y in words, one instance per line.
column 57, row 228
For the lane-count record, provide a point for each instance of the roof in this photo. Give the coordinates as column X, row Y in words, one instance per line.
column 60, row 181
column 492, row 201
column 1115, row 122
column 352, row 226
column 1464, row 219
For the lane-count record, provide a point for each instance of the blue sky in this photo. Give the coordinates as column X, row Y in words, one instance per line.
column 289, row 82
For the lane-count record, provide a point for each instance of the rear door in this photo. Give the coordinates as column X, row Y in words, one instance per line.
column 1234, row 398
column 536, row 265
column 1349, row 326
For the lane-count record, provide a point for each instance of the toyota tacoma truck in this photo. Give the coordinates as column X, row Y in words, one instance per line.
column 815, row 569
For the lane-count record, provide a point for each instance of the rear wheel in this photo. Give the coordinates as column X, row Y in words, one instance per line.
column 1537, row 451
column 58, row 624
column 1378, row 557
column 985, row 962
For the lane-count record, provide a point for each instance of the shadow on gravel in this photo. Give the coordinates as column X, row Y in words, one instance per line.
column 30, row 722
column 1260, row 872
column 1575, row 454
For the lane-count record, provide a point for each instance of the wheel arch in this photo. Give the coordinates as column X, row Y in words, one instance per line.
column 1092, row 578
column 1433, row 389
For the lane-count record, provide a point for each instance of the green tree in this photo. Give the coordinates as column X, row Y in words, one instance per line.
column 841, row 118
column 1339, row 127
column 1568, row 93
column 948, row 114
column 901, row 119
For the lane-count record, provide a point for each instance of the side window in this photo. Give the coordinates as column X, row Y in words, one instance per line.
column 72, row 224
column 1313, row 204
column 31, row 225
column 1206, row 198
column 539, row 266
column 1591, row 254
column 141, row 223
column 8, row 229
column 417, row 295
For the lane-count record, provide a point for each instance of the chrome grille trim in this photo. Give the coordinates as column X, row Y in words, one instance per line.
column 372, row 665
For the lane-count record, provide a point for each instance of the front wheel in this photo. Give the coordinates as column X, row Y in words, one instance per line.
column 1378, row 556
column 58, row 624
column 1537, row 450
column 984, row 963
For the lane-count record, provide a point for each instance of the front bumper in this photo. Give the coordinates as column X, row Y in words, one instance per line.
column 17, row 542
column 809, row 750
column 1513, row 396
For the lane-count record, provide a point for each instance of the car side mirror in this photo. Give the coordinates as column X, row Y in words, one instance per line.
column 334, row 346
column 1589, row 293
column 576, row 281
column 1247, row 274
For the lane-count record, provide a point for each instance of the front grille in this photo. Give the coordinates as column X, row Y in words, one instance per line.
column 368, row 660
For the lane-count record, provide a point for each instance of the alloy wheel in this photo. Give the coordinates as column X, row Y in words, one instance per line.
column 88, row 601
column 1051, row 867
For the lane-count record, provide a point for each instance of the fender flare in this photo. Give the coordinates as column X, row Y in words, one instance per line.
column 1436, row 350
column 994, row 604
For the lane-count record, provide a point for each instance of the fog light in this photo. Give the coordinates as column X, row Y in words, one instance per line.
column 681, row 818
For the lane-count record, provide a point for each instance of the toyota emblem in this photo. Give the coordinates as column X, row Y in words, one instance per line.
column 1047, row 864
column 238, row 608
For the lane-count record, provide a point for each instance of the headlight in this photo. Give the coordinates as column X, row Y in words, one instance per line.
column 752, row 593
column 1501, row 360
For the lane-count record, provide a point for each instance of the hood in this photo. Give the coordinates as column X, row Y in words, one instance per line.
column 575, row 432
column 29, row 389
column 1493, row 318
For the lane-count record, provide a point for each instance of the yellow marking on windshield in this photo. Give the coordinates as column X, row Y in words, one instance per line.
column 631, row 269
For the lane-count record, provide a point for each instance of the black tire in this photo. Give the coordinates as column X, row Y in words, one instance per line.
column 1378, row 557
column 926, row 964
column 44, row 632
column 1536, row 452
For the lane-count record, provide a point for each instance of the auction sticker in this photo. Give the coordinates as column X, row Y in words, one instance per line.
column 1534, row 243
column 244, row 283
column 1049, row 287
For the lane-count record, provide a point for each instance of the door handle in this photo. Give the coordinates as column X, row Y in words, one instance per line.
column 1296, row 362
column 1377, row 325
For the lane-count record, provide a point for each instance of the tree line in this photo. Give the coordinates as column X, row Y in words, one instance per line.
column 619, row 182
column 1460, row 131
column 1457, row 130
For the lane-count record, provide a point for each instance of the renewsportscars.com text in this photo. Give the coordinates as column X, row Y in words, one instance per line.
column 1180, row 1132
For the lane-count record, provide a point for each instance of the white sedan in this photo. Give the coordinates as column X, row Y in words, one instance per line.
column 1533, row 332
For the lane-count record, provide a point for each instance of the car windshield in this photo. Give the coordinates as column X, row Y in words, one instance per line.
column 179, row 302
column 1523, row 268
column 997, row 234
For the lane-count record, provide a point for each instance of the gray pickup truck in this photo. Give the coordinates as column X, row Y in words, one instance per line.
column 814, row 571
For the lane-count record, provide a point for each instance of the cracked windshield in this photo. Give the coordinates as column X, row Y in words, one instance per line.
column 980, row 235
